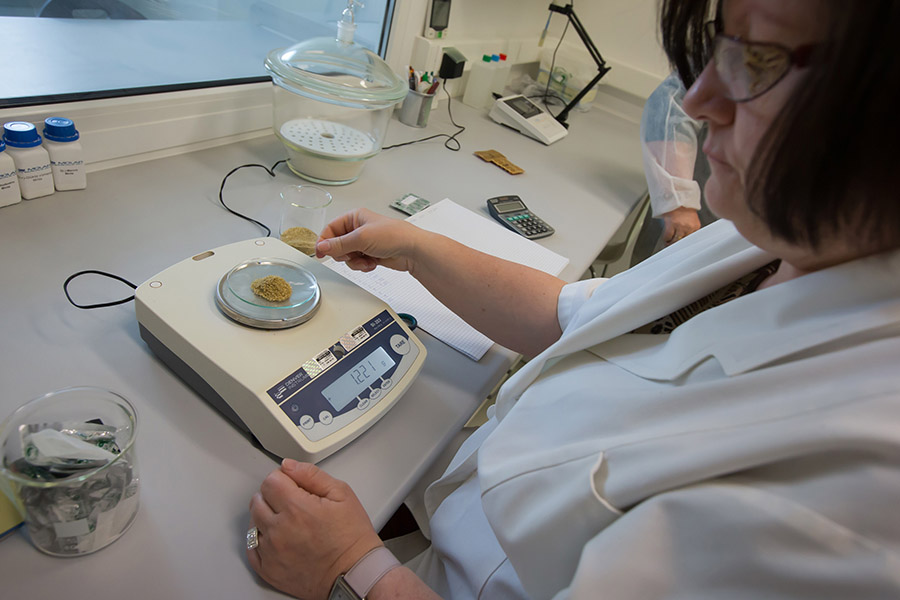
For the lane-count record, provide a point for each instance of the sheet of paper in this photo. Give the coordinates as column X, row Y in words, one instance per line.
column 486, row 235
column 404, row 294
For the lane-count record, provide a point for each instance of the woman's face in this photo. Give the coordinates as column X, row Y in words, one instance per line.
column 735, row 129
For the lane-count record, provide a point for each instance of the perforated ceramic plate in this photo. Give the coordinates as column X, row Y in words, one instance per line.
column 236, row 299
column 328, row 138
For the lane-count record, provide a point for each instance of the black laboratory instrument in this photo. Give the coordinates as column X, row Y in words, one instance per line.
column 569, row 12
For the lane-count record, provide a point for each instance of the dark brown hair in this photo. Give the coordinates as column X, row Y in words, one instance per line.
column 827, row 165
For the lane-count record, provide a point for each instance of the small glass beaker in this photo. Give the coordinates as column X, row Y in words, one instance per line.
column 68, row 464
column 303, row 216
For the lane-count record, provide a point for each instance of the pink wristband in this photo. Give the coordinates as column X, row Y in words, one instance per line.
column 369, row 569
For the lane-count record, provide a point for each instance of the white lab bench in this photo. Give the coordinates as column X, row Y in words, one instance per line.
column 197, row 471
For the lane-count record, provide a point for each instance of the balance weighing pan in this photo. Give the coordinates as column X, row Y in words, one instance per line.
column 236, row 299
column 302, row 391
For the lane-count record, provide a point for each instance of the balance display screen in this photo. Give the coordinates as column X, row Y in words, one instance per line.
column 363, row 374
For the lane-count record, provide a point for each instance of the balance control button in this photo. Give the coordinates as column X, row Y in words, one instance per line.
column 325, row 418
column 306, row 422
column 387, row 383
column 399, row 344
column 363, row 404
column 375, row 394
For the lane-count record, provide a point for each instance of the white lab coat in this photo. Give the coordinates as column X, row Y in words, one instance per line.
column 754, row 452
column 670, row 148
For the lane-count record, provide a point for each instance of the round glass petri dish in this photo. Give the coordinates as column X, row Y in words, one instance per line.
column 236, row 299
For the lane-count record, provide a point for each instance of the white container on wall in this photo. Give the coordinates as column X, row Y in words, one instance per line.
column 9, row 181
column 23, row 143
column 66, row 155
column 478, row 88
column 501, row 74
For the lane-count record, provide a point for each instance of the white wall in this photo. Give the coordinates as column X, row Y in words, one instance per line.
column 624, row 31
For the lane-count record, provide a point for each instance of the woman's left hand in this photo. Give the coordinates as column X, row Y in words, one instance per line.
column 311, row 528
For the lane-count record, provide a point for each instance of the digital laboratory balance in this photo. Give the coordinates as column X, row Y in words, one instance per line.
column 304, row 376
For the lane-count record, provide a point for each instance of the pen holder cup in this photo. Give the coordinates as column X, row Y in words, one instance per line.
column 67, row 463
column 415, row 109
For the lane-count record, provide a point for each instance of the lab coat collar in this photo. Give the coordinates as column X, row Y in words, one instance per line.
column 771, row 324
column 744, row 334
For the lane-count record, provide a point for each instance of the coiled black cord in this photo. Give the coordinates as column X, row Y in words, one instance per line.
column 101, row 304
column 450, row 138
column 269, row 170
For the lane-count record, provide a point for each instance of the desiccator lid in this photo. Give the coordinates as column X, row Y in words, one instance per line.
column 331, row 71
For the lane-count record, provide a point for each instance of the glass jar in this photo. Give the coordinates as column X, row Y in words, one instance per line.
column 67, row 462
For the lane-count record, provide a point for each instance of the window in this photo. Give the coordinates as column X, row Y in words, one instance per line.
column 87, row 49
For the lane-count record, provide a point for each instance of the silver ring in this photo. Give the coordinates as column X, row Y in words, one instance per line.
column 252, row 538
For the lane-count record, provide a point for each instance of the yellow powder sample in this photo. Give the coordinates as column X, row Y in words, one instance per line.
column 301, row 238
column 272, row 288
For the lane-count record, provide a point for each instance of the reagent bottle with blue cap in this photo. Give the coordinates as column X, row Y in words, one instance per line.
column 66, row 155
column 32, row 161
column 9, row 181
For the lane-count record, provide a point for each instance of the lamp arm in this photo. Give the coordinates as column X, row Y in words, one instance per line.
column 602, row 67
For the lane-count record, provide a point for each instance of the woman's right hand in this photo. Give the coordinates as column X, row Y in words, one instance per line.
column 363, row 240
column 493, row 295
column 680, row 223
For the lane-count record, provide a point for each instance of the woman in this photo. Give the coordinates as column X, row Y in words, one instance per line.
column 721, row 421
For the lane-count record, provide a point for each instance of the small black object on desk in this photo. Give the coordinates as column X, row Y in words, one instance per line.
column 452, row 64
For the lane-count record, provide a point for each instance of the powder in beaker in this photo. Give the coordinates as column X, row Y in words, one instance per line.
column 301, row 238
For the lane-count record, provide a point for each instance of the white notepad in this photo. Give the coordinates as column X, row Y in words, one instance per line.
column 404, row 294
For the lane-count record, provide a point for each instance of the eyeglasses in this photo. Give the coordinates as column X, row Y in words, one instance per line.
column 750, row 69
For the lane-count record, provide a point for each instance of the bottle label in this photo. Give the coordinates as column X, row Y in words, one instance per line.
column 68, row 174
column 36, row 175
column 35, row 171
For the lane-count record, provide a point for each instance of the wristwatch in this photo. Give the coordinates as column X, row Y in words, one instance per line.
column 362, row 577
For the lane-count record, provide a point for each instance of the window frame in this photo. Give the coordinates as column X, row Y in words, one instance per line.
column 146, row 123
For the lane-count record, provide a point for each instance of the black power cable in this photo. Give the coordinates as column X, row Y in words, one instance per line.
column 101, row 304
column 269, row 170
column 553, row 65
column 450, row 138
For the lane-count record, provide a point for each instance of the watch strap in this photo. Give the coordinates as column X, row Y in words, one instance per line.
column 369, row 569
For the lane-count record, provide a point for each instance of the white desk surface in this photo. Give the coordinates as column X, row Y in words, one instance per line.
column 197, row 471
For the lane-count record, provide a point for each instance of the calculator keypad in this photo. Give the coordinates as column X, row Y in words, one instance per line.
column 528, row 225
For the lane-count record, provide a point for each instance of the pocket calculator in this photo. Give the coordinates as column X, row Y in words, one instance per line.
column 512, row 212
